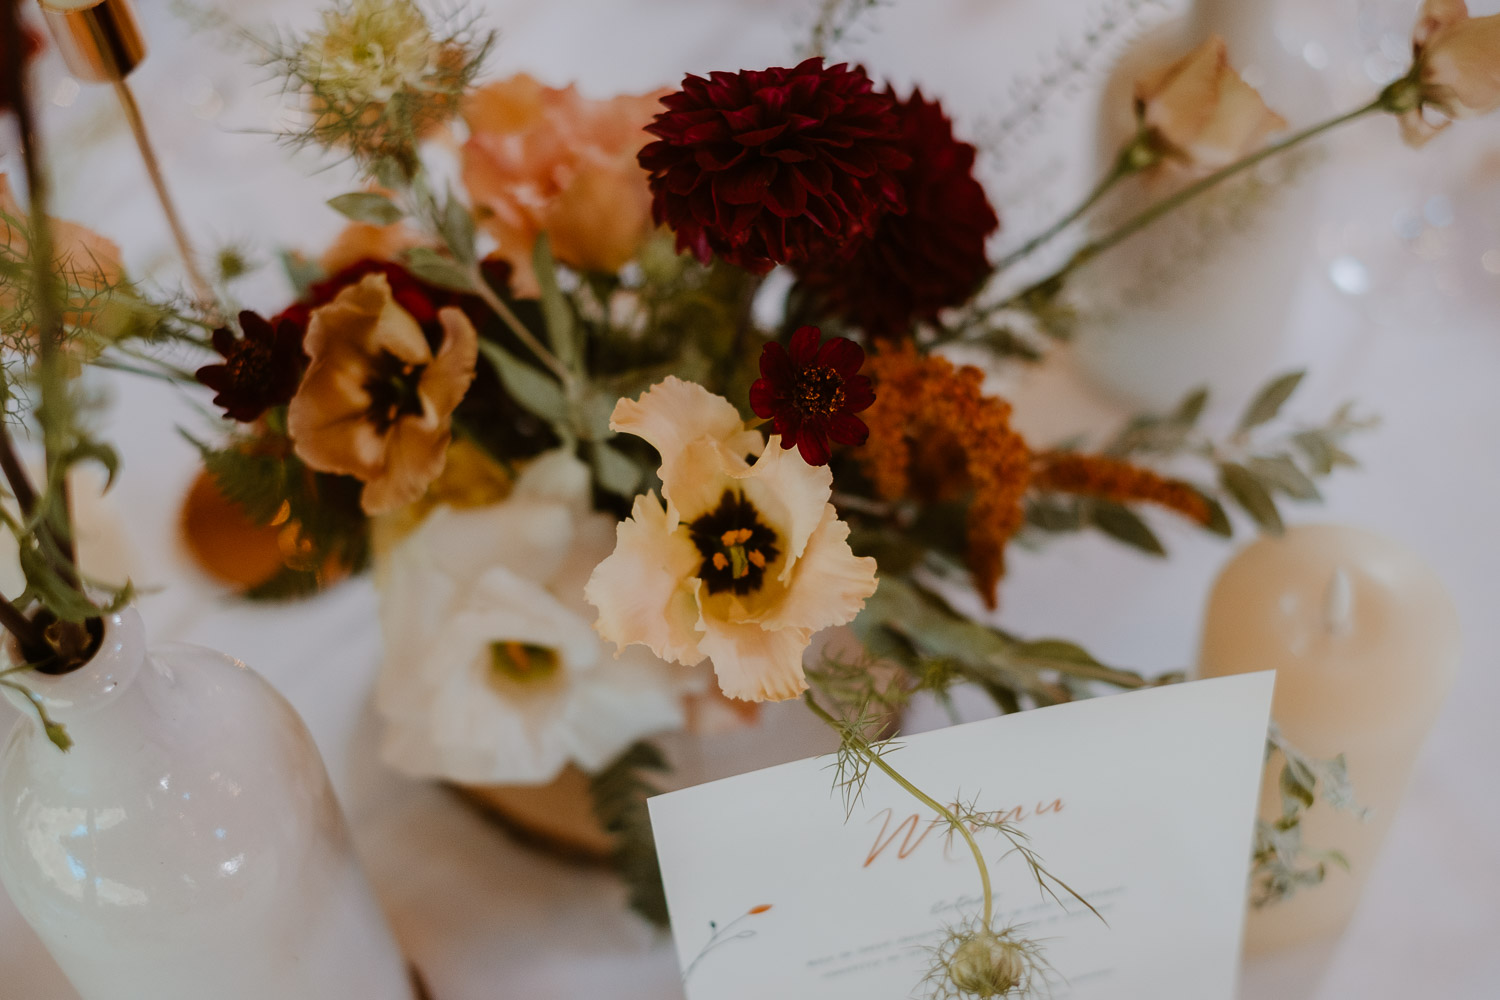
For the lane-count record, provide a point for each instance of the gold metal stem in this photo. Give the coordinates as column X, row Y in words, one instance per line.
column 201, row 288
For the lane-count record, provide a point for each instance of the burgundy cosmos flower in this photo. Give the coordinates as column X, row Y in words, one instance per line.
column 811, row 394
column 927, row 259
column 260, row 370
column 775, row 166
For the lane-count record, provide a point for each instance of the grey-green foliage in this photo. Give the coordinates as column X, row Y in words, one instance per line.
column 1282, row 863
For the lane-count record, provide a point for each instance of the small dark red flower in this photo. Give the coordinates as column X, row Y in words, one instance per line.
column 811, row 393
column 775, row 166
column 931, row 257
column 260, row 370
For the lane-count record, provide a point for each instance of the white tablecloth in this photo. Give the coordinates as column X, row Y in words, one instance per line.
column 486, row 918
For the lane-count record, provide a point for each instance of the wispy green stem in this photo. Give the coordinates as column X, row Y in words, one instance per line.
column 1121, row 170
column 861, row 747
column 1153, row 212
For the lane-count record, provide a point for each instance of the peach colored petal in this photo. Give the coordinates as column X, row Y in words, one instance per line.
column 673, row 413
column 1178, row 101
column 1435, row 16
column 1241, row 123
column 362, row 241
column 753, row 663
column 1203, row 110
column 831, row 583
column 1462, row 67
column 543, row 159
column 599, row 221
column 329, row 419
column 415, row 452
column 644, row 589
column 791, row 495
column 447, row 378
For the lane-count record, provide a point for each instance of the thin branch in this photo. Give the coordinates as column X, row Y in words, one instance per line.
column 26, row 631
column 15, row 474
column 861, row 746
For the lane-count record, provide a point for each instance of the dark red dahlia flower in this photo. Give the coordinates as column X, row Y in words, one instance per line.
column 929, row 258
column 776, row 166
column 260, row 370
column 811, row 394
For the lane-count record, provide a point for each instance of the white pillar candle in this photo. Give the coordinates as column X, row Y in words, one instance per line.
column 1364, row 640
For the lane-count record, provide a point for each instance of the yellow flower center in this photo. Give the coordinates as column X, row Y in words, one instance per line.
column 735, row 544
column 523, row 662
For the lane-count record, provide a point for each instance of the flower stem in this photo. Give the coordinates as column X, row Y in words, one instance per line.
column 1151, row 213
column 509, row 318
column 1121, row 170
column 52, row 410
column 201, row 287
column 861, row 746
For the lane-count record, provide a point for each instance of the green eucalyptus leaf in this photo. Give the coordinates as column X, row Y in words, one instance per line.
column 300, row 271
column 1247, row 491
column 1268, row 403
column 1191, row 408
column 1318, row 450
column 435, row 269
column 1125, row 525
column 562, row 327
column 367, row 206
column 1295, row 787
column 1059, row 650
column 1218, row 518
column 1048, row 514
column 457, row 230
column 531, row 388
column 615, row 471
column 1279, row 473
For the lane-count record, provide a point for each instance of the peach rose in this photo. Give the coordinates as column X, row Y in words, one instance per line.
column 91, row 262
column 1201, row 112
column 1456, row 70
column 377, row 403
column 539, row 159
column 361, row 241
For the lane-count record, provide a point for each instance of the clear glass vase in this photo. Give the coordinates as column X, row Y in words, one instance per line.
column 189, row 845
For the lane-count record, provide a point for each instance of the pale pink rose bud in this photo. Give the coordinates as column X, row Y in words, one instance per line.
column 1198, row 112
column 1455, row 72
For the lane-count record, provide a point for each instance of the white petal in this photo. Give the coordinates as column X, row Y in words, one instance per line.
column 529, row 536
column 620, row 704
column 830, row 583
column 643, row 589
column 556, row 476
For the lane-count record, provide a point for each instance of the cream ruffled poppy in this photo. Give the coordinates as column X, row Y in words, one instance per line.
column 1456, row 70
column 492, row 674
column 377, row 402
column 744, row 561
column 1200, row 112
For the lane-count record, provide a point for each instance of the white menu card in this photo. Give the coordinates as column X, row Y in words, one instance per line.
column 1144, row 803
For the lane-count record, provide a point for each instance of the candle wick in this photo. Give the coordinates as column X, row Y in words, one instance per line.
column 1338, row 604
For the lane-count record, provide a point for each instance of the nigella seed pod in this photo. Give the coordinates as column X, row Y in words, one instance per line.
column 987, row 965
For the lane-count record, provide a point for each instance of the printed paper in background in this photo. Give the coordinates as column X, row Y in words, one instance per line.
column 1143, row 802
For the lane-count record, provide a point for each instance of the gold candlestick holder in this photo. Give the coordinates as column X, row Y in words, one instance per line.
column 101, row 42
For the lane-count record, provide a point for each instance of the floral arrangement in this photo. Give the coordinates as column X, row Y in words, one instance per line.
column 594, row 454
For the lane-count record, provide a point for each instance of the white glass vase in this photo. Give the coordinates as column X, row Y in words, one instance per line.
column 1204, row 295
column 189, row 846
